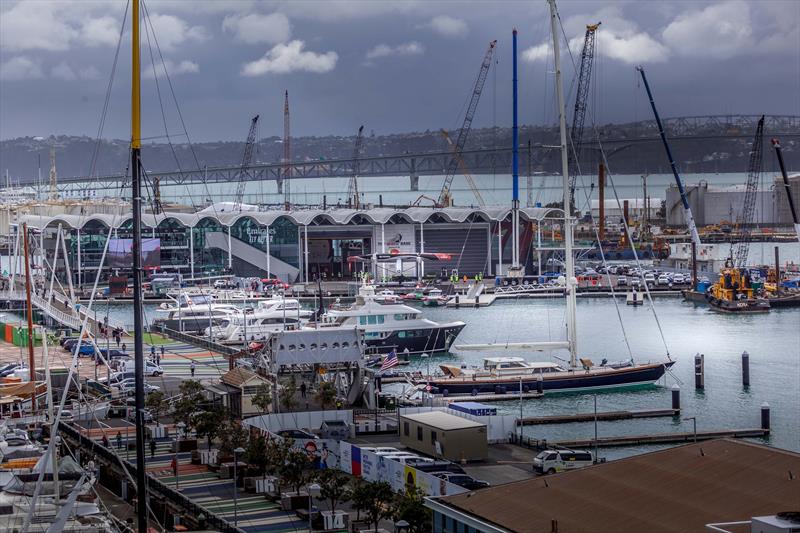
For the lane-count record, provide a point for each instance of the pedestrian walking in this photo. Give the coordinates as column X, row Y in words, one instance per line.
column 152, row 448
column 104, row 440
column 124, row 348
column 303, row 389
column 119, row 440
column 117, row 338
column 191, row 368
column 153, row 353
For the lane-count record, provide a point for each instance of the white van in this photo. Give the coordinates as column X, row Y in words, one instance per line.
column 552, row 461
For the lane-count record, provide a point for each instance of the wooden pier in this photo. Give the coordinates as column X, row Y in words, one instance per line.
column 482, row 300
column 663, row 438
column 590, row 417
column 507, row 397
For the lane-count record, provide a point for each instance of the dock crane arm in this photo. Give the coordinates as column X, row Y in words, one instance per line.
column 684, row 198
column 352, row 188
column 745, row 219
column 463, row 168
column 779, row 154
column 579, row 112
column 445, row 198
column 247, row 158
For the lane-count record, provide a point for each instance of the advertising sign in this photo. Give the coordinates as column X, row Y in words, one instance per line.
column 399, row 238
column 120, row 253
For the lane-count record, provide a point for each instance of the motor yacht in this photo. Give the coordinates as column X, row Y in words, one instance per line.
column 194, row 312
column 392, row 326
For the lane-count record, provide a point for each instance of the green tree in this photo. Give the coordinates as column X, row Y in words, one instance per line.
column 410, row 507
column 263, row 398
column 326, row 394
column 232, row 436
column 189, row 404
column 334, row 487
column 210, row 424
column 375, row 499
column 288, row 393
column 256, row 453
column 296, row 469
column 156, row 402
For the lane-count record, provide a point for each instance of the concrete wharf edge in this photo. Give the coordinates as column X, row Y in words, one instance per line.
column 665, row 438
column 589, row 417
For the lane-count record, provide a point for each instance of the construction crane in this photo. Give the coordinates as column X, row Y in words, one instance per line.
column 246, row 159
column 445, row 198
column 352, row 188
column 745, row 219
column 579, row 113
column 463, row 168
column 287, row 155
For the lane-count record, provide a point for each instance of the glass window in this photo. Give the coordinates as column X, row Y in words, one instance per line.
column 406, row 429
column 372, row 319
column 419, row 433
column 401, row 334
column 433, row 437
column 380, row 319
column 362, row 320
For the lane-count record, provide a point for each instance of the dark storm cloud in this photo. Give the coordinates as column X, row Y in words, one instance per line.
column 393, row 66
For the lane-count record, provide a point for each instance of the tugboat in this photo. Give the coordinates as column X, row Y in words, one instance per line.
column 733, row 293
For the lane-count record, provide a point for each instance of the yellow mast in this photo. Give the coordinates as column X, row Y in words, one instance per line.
column 138, row 326
column 136, row 104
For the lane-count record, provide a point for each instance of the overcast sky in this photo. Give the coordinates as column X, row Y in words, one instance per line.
column 391, row 65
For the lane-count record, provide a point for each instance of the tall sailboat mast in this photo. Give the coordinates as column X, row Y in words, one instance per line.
column 138, row 330
column 569, row 259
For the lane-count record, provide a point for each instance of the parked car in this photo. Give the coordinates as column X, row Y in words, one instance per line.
column 296, row 434
column 678, row 279
column 663, row 279
column 127, row 386
column 224, row 284
column 462, row 480
column 650, row 278
column 150, row 368
column 552, row 461
column 622, row 281
column 8, row 369
column 636, row 282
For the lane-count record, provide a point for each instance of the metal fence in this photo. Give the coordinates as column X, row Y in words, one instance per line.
column 154, row 486
column 195, row 341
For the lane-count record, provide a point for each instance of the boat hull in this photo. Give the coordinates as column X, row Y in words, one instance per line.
column 437, row 340
column 758, row 305
column 576, row 381
column 792, row 300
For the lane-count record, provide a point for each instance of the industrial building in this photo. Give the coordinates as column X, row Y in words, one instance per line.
column 297, row 245
column 679, row 489
column 440, row 434
column 711, row 258
column 714, row 205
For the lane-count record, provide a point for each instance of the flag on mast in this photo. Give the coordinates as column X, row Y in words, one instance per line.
column 390, row 361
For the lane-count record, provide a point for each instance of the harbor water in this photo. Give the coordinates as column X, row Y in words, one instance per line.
column 772, row 340
column 395, row 190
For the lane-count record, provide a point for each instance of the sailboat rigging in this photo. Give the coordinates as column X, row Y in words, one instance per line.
column 510, row 372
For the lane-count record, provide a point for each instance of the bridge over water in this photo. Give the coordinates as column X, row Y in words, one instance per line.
column 614, row 138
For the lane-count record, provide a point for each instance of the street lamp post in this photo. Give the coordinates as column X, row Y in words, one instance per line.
column 178, row 434
column 694, row 425
column 238, row 451
column 427, row 359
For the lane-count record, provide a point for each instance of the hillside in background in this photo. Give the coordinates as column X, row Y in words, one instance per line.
column 74, row 155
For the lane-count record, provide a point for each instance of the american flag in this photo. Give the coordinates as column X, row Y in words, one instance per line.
column 390, row 361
